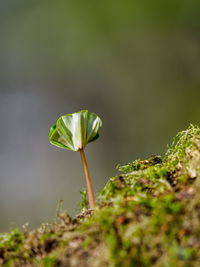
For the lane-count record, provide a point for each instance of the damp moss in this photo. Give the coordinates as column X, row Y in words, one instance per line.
column 147, row 215
column 49, row 261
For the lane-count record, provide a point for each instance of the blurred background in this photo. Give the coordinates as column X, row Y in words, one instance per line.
column 134, row 63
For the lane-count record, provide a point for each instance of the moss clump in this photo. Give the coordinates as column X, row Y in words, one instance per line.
column 149, row 215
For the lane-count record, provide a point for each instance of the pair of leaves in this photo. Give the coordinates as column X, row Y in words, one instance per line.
column 75, row 131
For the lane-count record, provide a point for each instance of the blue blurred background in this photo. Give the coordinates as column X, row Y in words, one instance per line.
column 134, row 63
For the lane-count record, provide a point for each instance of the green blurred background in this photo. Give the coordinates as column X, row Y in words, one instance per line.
column 134, row 63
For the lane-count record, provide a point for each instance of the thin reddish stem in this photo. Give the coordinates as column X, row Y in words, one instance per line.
column 88, row 180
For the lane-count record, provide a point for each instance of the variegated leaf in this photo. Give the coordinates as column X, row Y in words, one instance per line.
column 75, row 131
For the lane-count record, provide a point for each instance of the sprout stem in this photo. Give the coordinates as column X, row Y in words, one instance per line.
column 88, row 180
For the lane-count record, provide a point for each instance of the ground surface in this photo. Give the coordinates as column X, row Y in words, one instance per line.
column 147, row 216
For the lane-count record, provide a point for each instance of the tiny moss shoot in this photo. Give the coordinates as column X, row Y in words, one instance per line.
column 74, row 132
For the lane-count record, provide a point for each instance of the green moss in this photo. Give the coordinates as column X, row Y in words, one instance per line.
column 182, row 142
column 149, row 215
column 11, row 240
column 151, row 186
column 88, row 242
column 10, row 244
column 49, row 261
column 140, row 164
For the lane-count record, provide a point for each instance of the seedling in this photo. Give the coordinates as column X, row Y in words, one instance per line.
column 74, row 132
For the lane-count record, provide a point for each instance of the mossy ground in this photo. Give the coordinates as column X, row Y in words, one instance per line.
column 147, row 216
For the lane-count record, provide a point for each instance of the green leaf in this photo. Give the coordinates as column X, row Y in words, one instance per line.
column 75, row 131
